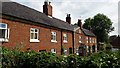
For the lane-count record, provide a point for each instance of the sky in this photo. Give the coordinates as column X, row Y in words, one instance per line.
column 79, row 9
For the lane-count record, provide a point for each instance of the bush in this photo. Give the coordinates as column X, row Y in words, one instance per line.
column 17, row 59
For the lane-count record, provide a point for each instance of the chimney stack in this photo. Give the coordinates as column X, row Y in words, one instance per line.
column 68, row 19
column 47, row 8
column 79, row 23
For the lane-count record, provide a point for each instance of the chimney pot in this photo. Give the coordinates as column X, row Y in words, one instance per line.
column 68, row 19
column 49, row 3
column 47, row 8
column 80, row 23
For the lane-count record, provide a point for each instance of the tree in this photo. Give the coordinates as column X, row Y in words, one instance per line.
column 100, row 25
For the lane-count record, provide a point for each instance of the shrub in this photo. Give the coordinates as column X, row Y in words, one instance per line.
column 17, row 59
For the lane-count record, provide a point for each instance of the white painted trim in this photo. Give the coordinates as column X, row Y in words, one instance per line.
column 3, row 40
column 65, row 41
column 52, row 50
column 80, row 41
column 54, row 41
column 34, row 40
column 75, row 29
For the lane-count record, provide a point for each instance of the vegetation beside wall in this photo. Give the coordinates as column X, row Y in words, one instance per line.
column 31, row 59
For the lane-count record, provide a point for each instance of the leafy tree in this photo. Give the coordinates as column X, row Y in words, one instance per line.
column 100, row 25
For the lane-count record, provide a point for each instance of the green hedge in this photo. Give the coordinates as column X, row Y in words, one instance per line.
column 17, row 59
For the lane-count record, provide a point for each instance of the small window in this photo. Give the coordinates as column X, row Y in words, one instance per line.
column 42, row 50
column 79, row 31
column 80, row 39
column 53, row 37
column 4, row 32
column 90, row 40
column 77, row 51
column 93, row 40
column 53, row 50
column 65, row 38
column 86, row 39
column 34, row 35
column 65, row 52
column 70, row 50
column 87, row 48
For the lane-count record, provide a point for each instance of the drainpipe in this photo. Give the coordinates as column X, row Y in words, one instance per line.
column 61, row 44
column 0, row 54
column 73, row 40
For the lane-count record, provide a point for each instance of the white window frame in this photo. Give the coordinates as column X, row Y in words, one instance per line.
column 80, row 39
column 77, row 51
column 65, row 51
column 34, row 40
column 65, row 37
column 53, row 36
column 53, row 50
column 7, row 30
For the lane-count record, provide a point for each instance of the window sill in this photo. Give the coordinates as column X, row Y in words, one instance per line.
column 54, row 41
column 3, row 40
column 54, row 52
column 34, row 40
column 80, row 42
column 65, row 41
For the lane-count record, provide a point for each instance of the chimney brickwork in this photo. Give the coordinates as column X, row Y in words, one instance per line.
column 68, row 19
column 47, row 8
column 79, row 23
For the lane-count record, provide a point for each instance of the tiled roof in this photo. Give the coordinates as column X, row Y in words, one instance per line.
column 85, row 31
column 23, row 12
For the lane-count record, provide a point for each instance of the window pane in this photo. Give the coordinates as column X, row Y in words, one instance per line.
column 3, row 25
column 65, row 37
column 32, row 35
column 36, row 35
column 2, row 33
column 32, row 31
column 53, row 36
column 53, row 50
column 36, row 30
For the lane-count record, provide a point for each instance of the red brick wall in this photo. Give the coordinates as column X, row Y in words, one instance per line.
column 67, row 44
column 77, row 43
column 20, row 34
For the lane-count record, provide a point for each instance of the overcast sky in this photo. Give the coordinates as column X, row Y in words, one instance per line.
column 79, row 9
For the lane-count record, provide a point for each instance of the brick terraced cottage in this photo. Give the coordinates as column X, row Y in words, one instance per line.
column 29, row 29
column 85, row 40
